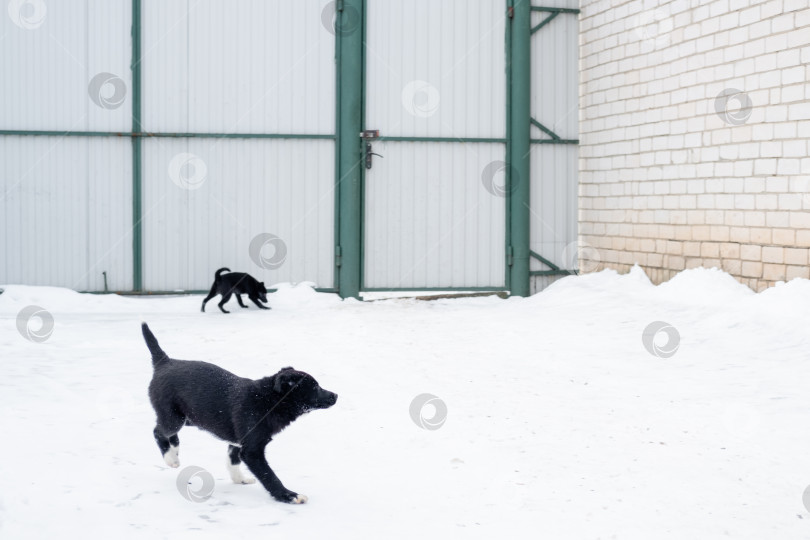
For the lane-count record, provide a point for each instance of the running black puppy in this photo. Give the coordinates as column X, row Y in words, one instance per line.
column 236, row 283
column 243, row 412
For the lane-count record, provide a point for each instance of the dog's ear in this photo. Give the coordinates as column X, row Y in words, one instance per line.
column 283, row 380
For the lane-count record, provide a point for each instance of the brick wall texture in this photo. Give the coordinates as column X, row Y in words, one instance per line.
column 695, row 137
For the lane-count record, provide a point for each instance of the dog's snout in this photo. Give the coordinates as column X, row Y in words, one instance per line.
column 330, row 398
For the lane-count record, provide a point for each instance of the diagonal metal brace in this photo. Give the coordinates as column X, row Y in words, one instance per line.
column 545, row 21
column 555, row 270
column 545, row 130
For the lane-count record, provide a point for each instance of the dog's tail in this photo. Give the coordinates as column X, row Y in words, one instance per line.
column 218, row 272
column 158, row 355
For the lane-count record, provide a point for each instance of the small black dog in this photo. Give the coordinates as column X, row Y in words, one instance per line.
column 236, row 283
column 243, row 412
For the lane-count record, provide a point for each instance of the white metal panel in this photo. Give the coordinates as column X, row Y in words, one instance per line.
column 554, row 103
column 66, row 211
column 241, row 188
column 436, row 68
column 50, row 53
column 555, row 60
column 241, row 66
column 553, row 196
column 429, row 219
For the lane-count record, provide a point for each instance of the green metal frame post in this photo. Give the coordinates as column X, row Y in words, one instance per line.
column 137, row 210
column 520, row 147
column 349, row 149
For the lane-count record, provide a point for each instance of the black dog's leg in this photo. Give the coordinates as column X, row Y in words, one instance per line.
column 257, row 463
column 255, row 300
column 168, row 447
column 225, row 298
column 239, row 299
column 212, row 293
column 168, row 424
column 233, row 466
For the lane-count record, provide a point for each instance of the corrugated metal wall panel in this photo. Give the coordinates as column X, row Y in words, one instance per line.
column 554, row 103
column 66, row 212
column 48, row 67
column 554, row 204
column 240, row 189
column 242, row 66
column 555, row 61
column 429, row 219
column 436, row 68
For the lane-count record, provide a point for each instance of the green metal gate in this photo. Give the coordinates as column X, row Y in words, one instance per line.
column 503, row 148
column 355, row 150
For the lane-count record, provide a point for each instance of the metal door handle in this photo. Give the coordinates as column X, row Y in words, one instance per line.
column 368, row 135
column 369, row 153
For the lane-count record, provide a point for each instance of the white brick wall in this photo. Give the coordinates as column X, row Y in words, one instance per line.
column 667, row 181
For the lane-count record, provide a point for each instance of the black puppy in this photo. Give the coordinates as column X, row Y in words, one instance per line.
column 236, row 283
column 243, row 412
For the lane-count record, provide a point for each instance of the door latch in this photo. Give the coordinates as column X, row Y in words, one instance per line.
column 369, row 153
column 369, row 135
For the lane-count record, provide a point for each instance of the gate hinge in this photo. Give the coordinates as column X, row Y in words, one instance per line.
column 510, row 12
column 509, row 256
column 337, row 256
column 339, row 5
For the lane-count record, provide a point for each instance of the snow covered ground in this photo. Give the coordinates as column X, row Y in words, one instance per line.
column 560, row 424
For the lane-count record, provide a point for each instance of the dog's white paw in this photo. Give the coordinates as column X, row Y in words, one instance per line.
column 300, row 499
column 237, row 477
column 171, row 457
